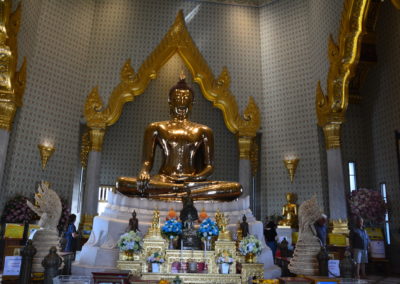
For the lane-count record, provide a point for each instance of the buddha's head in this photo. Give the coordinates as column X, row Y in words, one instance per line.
column 180, row 100
column 291, row 197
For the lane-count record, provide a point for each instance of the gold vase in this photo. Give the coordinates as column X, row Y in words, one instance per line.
column 128, row 255
column 251, row 258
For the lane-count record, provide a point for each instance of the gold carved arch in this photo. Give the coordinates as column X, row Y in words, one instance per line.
column 216, row 90
column 343, row 58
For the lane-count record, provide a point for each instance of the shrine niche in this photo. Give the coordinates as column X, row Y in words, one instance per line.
column 132, row 84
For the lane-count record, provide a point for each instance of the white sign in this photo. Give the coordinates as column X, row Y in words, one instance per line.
column 378, row 249
column 12, row 265
column 333, row 268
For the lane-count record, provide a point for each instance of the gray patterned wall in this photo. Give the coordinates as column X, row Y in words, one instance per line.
column 54, row 36
column 381, row 112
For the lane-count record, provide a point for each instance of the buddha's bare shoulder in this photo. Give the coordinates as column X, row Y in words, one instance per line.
column 157, row 124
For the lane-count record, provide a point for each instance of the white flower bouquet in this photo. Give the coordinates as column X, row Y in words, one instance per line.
column 250, row 244
column 130, row 241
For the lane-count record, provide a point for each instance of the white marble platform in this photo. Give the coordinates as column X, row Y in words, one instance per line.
column 100, row 252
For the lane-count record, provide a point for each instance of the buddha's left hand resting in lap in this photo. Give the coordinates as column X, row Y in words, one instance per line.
column 187, row 152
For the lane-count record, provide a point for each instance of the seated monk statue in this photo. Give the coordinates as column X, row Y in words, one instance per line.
column 187, row 152
column 289, row 211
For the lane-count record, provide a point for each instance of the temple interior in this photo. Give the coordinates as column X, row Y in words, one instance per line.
column 300, row 96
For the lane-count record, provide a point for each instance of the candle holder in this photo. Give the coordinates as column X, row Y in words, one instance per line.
column 46, row 151
column 291, row 165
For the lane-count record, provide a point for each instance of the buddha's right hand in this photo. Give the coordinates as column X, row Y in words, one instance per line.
column 142, row 181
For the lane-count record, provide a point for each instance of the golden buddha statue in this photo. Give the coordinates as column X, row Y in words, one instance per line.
column 188, row 152
column 289, row 211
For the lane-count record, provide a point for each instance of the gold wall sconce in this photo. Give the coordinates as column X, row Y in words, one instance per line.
column 46, row 150
column 291, row 165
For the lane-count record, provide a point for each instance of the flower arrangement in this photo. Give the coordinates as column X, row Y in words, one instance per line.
column 368, row 204
column 208, row 228
column 156, row 257
column 172, row 227
column 16, row 210
column 250, row 244
column 130, row 241
column 224, row 257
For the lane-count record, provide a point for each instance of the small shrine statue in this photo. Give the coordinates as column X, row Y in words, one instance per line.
column 188, row 216
column 218, row 216
column 188, row 212
column 289, row 211
column 155, row 228
column 239, row 233
column 244, row 226
column 224, row 233
column 133, row 223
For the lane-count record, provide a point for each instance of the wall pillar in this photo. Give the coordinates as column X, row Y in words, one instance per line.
column 4, row 138
column 91, row 194
column 337, row 196
column 245, row 176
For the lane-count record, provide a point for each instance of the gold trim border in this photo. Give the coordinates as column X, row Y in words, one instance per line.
column 216, row 90
column 343, row 57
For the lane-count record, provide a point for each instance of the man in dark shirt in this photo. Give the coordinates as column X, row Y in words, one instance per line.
column 270, row 236
column 359, row 242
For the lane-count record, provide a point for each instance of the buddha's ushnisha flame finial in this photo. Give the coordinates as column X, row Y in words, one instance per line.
column 182, row 76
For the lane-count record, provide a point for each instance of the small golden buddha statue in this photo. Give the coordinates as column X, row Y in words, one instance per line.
column 187, row 152
column 224, row 233
column 289, row 211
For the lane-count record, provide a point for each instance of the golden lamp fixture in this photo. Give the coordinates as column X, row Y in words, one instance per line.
column 46, row 150
column 291, row 165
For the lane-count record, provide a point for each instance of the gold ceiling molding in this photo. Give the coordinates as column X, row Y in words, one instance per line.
column 12, row 82
column 216, row 90
column 343, row 59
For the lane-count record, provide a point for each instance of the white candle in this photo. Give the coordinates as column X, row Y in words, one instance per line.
column 204, row 248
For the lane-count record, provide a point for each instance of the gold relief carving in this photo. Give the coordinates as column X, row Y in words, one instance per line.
column 343, row 58
column 85, row 148
column 12, row 82
column 216, row 90
column 245, row 146
column 396, row 4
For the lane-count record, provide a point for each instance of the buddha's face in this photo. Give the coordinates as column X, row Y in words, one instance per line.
column 180, row 103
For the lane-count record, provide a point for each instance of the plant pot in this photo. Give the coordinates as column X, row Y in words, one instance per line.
column 155, row 267
column 224, row 268
column 251, row 258
column 128, row 255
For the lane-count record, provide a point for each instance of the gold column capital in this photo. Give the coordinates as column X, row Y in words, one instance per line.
column 332, row 135
column 96, row 139
column 245, row 146
column 343, row 58
column 7, row 113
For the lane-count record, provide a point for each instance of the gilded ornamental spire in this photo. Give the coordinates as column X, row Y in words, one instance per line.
column 12, row 82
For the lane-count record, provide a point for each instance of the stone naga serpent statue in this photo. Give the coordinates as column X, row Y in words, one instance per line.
column 48, row 207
